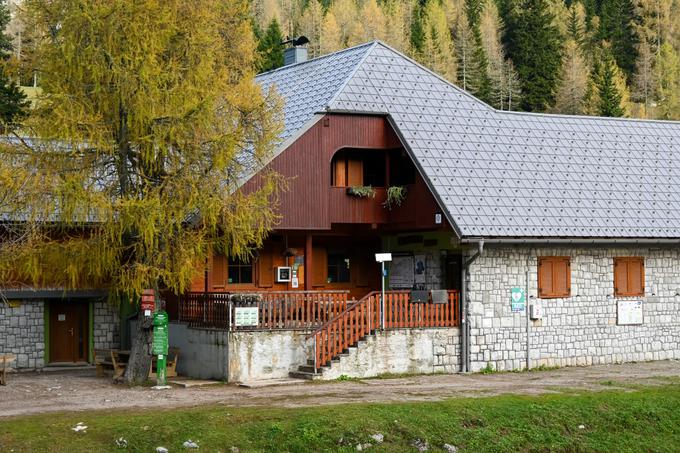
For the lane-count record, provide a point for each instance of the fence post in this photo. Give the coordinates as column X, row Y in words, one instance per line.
column 315, row 354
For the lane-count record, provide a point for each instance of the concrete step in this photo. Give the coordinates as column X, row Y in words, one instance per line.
column 305, row 375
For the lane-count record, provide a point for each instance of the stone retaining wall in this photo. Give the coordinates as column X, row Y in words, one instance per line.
column 578, row 330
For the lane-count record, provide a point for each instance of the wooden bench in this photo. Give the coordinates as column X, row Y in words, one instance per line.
column 171, row 364
column 5, row 360
column 110, row 360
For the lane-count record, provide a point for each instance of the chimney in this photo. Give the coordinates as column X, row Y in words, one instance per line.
column 297, row 53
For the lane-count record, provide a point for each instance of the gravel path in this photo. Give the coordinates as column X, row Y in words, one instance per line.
column 30, row 393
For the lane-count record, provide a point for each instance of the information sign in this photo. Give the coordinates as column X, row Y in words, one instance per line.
column 517, row 299
column 246, row 316
column 629, row 312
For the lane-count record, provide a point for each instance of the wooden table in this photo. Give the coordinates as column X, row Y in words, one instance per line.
column 5, row 360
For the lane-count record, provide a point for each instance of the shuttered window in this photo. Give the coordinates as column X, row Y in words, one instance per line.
column 629, row 276
column 554, row 277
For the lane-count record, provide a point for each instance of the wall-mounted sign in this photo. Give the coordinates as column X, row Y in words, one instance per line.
column 61, row 317
column 517, row 299
column 246, row 316
column 438, row 218
column 402, row 272
column 629, row 312
column 283, row 274
column 295, row 282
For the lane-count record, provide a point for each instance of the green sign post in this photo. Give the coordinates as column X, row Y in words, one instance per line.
column 517, row 299
column 160, row 345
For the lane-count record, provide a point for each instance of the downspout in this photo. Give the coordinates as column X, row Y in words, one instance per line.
column 465, row 310
column 528, row 315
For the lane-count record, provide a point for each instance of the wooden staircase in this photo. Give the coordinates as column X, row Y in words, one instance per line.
column 350, row 328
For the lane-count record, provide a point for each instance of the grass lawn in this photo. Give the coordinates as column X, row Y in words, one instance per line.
column 643, row 419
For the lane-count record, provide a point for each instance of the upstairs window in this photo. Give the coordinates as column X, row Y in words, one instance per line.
column 554, row 277
column 240, row 272
column 338, row 268
column 356, row 167
column 629, row 276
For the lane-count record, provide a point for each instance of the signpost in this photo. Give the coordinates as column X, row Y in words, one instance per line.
column 517, row 300
column 383, row 258
column 160, row 345
column 148, row 302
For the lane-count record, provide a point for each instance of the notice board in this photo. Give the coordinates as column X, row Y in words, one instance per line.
column 629, row 312
column 402, row 272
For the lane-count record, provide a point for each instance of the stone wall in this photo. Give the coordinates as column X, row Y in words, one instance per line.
column 401, row 351
column 266, row 355
column 578, row 330
column 106, row 328
column 22, row 332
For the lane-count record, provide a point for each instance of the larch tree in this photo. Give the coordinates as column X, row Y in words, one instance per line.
column 574, row 81
column 529, row 22
column 399, row 15
column 347, row 18
column 331, row 35
column 146, row 127
column 311, row 26
column 668, row 83
column 438, row 50
column 374, row 22
column 465, row 46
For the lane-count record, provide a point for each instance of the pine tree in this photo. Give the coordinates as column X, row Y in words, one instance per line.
column 538, row 66
column 270, row 48
column 617, row 21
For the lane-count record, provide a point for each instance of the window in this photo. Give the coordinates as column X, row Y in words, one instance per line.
column 354, row 167
column 338, row 268
column 629, row 276
column 240, row 271
column 554, row 277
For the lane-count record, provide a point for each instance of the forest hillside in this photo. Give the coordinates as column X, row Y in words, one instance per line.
column 584, row 57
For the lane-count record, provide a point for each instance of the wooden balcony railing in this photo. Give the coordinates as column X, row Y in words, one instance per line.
column 362, row 318
column 280, row 310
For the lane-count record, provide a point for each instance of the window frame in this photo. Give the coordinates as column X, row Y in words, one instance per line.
column 343, row 257
column 240, row 265
column 627, row 260
column 542, row 294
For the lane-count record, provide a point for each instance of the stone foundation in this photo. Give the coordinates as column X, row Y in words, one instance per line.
column 578, row 330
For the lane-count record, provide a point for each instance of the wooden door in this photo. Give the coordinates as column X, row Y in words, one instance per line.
column 68, row 331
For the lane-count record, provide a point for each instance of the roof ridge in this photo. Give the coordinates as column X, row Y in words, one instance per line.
column 351, row 75
column 315, row 59
column 590, row 117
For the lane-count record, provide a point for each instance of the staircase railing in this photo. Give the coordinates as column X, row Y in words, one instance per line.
column 360, row 319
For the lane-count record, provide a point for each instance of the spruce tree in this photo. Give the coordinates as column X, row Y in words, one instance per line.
column 608, row 93
column 270, row 48
column 617, row 21
column 417, row 38
column 534, row 45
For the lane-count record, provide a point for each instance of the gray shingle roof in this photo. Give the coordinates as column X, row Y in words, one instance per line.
column 503, row 174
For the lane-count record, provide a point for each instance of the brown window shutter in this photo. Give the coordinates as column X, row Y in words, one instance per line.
column 355, row 172
column 636, row 284
column 561, row 277
column 219, row 271
column 340, row 172
column 545, row 280
column 620, row 276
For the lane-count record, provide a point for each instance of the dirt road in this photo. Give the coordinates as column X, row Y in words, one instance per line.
column 30, row 393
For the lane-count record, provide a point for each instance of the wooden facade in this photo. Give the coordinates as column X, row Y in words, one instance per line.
column 323, row 227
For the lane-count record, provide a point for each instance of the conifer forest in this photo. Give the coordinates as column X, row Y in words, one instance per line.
column 618, row 58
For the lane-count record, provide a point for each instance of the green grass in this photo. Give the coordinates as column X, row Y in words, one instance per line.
column 647, row 419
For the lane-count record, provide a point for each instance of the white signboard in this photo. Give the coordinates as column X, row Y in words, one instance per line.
column 246, row 316
column 629, row 312
column 401, row 272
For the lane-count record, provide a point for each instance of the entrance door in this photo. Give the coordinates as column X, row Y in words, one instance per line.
column 68, row 331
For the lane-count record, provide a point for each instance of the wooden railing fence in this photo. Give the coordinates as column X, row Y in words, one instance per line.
column 281, row 310
column 360, row 319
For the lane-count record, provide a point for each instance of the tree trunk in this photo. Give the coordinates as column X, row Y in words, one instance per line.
column 139, row 365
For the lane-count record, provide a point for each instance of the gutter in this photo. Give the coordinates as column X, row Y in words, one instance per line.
column 465, row 310
column 580, row 241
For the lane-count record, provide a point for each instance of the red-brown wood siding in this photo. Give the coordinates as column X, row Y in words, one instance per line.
column 312, row 204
